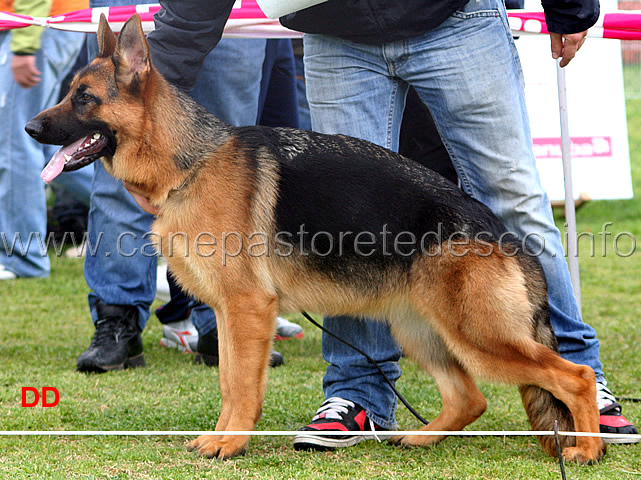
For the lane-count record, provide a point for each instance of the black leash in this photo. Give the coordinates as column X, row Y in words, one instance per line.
column 630, row 399
column 373, row 362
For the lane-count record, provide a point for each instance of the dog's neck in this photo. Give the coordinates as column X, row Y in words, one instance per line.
column 178, row 137
column 199, row 133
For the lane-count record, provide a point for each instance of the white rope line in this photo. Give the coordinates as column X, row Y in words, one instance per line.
column 273, row 433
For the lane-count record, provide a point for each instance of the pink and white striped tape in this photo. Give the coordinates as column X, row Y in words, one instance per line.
column 248, row 20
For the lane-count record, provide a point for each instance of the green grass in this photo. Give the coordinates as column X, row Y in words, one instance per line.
column 45, row 325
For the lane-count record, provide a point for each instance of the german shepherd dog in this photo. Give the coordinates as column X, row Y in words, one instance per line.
column 323, row 223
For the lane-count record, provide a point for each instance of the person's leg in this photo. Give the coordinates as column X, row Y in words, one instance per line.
column 278, row 103
column 304, row 118
column 179, row 306
column 467, row 72
column 120, row 263
column 69, row 213
column 228, row 84
column 349, row 92
column 120, row 269
column 420, row 140
column 72, row 192
column 22, row 200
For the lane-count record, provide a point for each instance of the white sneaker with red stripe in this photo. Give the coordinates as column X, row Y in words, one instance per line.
column 337, row 414
column 181, row 335
column 286, row 330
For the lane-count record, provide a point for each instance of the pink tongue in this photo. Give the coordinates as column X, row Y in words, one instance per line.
column 57, row 162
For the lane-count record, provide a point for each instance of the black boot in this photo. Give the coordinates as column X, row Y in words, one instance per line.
column 208, row 351
column 117, row 343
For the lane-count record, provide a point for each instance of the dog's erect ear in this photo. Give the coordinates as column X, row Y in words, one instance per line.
column 106, row 38
column 132, row 58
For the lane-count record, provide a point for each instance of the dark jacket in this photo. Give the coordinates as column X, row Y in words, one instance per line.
column 186, row 31
column 570, row 16
column 373, row 21
column 378, row 21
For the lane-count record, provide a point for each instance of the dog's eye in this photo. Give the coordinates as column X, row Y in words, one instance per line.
column 85, row 98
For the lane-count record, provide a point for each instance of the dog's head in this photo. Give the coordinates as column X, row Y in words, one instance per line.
column 104, row 106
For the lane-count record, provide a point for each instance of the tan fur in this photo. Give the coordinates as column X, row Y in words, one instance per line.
column 458, row 316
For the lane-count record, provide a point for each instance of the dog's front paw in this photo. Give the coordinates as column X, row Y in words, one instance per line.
column 219, row 446
column 584, row 456
column 415, row 440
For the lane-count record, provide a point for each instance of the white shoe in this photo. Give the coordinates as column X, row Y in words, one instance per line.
column 181, row 335
column 77, row 252
column 286, row 329
column 6, row 274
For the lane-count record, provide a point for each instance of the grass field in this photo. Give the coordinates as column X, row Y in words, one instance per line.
column 45, row 326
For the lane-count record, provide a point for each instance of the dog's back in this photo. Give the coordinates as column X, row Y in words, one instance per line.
column 349, row 204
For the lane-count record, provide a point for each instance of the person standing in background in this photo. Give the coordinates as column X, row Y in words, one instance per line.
column 33, row 63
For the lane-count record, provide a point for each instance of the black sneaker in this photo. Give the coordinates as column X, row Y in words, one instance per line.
column 611, row 420
column 276, row 359
column 117, row 342
column 341, row 415
column 207, row 351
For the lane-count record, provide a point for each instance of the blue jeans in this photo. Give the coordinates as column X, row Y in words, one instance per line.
column 468, row 73
column 23, row 211
column 123, row 271
column 229, row 82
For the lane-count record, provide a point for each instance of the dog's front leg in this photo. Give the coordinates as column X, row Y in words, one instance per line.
column 245, row 332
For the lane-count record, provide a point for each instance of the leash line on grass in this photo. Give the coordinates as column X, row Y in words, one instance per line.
column 271, row 433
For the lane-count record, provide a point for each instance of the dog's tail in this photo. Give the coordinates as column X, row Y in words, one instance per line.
column 541, row 406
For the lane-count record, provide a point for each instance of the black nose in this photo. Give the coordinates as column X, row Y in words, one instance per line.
column 34, row 128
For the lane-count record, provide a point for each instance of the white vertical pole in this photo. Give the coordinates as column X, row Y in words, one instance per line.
column 570, row 213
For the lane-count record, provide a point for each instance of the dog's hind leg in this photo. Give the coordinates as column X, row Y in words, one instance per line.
column 245, row 332
column 462, row 402
column 485, row 312
column 538, row 370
